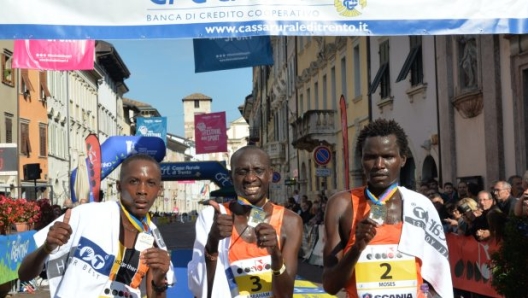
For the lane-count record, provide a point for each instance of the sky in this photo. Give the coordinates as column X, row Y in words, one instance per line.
column 162, row 74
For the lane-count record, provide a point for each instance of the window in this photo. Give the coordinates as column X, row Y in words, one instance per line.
column 42, row 139
column 333, row 88
column 25, row 146
column 357, row 72
column 413, row 63
column 9, row 128
column 25, row 83
column 196, row 104
column 44, row 91
column 325, row 91
column 343, row 77
column 7, row 70
column 382, row 77
column 308, row 99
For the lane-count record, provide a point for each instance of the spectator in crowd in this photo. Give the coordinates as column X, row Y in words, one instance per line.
column 306, row 211
column 450, row 193
column 505, row 201
column 496, row 221
column 473, row 190
column 433, row 184
column 424, row 187
column 296, row 196
column 292, row 205
column 469, row 210
column 439, row 205
column 480, row 226
column 516, row 185
column 521, row 206
column 455, row 220
column 462, row 189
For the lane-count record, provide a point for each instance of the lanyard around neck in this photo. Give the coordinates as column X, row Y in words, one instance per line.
column 140, row 225
column 385, row 196
column 244, row 202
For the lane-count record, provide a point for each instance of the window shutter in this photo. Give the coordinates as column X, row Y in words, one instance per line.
column 9, row 130
column 42, row 147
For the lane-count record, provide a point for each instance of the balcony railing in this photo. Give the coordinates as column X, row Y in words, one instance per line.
column 276, row 151
column 314, row 128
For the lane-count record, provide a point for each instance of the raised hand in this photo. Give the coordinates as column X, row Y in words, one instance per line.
column 267, row 237
column 222, row 227
column 59, row 233
column 158, row 261
column 365, row 231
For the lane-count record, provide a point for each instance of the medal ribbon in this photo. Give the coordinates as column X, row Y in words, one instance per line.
column 140, row 225
column 385, row 196
column 244, row 202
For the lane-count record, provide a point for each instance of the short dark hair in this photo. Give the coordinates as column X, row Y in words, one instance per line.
column 137, row 156
column 383, row 127
column 448, row 183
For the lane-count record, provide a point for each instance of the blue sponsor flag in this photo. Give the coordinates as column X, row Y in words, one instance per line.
column 212, row 54
column 152, row 127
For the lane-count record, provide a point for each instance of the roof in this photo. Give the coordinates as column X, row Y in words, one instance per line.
column 196, row 96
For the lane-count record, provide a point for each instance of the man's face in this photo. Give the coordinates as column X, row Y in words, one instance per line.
column 485, row 202
column 424, row 189
column 501, row 193
column 381, row 162
column 517, row 187
column 462, row 190
column 251, row 175
column 433, row 185
column 139, row 186
column 448, row 189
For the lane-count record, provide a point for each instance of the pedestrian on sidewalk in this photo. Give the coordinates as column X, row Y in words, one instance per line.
column 99, row 249
column 369, row 248
column 232, row 237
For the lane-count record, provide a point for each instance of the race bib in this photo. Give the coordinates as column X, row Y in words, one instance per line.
column 117, row 289
column 253, row 276
column 383, row 270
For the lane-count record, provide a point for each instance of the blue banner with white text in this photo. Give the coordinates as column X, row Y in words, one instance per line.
column 212, row 54
column 152, row 127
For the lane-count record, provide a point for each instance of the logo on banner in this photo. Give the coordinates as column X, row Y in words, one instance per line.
column 350, row 8
column 152, row 127
column 210, row 133
column 54, row 54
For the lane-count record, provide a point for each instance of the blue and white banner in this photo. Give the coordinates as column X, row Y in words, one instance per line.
column 212, row 54
column 152, row 127
column 148, row 19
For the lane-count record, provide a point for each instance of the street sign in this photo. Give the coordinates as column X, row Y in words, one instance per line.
column 322, row 155
column 276, row 177
column 290, row 182
column 322, row 172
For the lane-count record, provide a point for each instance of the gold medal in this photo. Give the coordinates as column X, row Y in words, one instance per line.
column 256, row 216
column 378, row 213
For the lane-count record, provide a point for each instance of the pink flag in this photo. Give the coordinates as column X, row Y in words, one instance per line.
column 54, row 54
column 210, row 132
